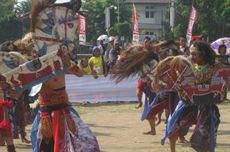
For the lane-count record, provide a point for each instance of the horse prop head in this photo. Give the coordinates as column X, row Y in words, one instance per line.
column 55, row 28
column 52, row 37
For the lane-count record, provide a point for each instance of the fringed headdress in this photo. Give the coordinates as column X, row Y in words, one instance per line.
column 131, row 62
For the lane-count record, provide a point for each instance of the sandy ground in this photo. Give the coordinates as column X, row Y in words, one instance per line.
column 118, row 129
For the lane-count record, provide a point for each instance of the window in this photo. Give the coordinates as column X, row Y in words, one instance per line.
column 149, row 12
column 149, row 33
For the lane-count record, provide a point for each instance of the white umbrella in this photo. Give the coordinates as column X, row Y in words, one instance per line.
column 62, row 1
column 225, row 40
column 103, row 38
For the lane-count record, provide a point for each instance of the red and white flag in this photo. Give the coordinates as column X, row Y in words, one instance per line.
column 192, row 20
column 82, row 29
column 135, row 25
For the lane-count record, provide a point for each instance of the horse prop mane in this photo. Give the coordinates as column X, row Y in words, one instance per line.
column 135, row 60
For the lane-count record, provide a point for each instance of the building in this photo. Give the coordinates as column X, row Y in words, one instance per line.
column 150, row 15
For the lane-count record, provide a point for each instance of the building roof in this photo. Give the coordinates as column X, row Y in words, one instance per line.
column 148, row 1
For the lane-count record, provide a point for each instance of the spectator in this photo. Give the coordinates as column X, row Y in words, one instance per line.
column 84, row 65
column 222, row 50
column 183, row 47
column 96, row 62
column 113, row 54
column 147, row 43
column 105, row 47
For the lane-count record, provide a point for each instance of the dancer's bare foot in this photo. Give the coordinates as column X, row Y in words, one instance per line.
column 139, row 105
column 158, row 121
column 182, row 140
column 24, row 140
column 16, row 136
column 150, row 133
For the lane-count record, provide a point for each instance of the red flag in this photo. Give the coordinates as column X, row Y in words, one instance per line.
column 192, row 20
column 135, row 25
column 82, row 29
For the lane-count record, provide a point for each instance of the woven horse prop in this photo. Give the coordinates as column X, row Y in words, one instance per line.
column 47, row 26
column 53, row 33
column 54, row 26
column 180, row 76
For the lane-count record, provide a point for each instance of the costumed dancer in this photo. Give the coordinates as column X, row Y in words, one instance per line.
column 204, row 135
column 168, row 98
column 6, row 133
column 57, row 126
column 20, row 116
column 136, row 59
column 181, row 114
column 145, row 87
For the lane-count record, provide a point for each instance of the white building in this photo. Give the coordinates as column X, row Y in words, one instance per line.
column 150, row 14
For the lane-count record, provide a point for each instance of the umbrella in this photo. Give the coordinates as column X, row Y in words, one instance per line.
column 103, row 38
column 221, row 41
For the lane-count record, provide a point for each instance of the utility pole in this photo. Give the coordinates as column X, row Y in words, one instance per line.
column 118, row 11
column 107, row 18
column 172, row 15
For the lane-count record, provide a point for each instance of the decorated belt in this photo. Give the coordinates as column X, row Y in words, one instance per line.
column 53, row 107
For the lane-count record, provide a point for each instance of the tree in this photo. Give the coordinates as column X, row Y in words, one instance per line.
column 22, row 11
column 8, row 24
column 121, row 29
column 11, row 26
column 212, row 19
column 95, row 17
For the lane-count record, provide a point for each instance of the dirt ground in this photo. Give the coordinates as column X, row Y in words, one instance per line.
column 118, row 129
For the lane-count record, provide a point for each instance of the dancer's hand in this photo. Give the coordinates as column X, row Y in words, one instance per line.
column 94, row 73
column 139, row 105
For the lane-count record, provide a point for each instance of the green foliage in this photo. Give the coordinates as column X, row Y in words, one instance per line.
column 11, row 26
column 112, row 31
column 212, row 21
column 95, row 17
column 23, row 8
column 6, row 9
column 123, row 29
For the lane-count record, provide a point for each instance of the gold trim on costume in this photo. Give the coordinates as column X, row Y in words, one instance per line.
column 61, row 126
column 71, row 123
column 46, row 126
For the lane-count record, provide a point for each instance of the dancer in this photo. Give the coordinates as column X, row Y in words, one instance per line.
column 203, row 58
column 6, row 133
column 207, row 90
column 57, row 127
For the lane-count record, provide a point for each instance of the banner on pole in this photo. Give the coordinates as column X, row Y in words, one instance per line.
column 82, row 29
column 192, row 19
column 135, row 25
